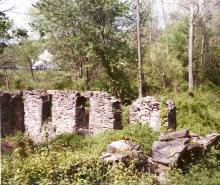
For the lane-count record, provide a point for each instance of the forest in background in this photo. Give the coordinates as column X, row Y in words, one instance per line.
column 95, row 45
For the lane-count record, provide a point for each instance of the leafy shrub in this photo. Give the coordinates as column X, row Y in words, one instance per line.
column 62, row 82
column 125, row 115
column 206, row 172
column 19, row 84
column 198, row 113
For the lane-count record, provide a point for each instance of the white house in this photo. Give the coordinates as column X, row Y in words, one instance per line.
column 44, row 62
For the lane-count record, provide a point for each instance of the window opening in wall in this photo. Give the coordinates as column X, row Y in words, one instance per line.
column 46, row 113
column 47, row 109
column 117, row 115
column 82, row 112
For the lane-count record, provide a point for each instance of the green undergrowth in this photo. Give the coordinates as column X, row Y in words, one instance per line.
column 205, row 172
column 72, row 159
column 198, row 113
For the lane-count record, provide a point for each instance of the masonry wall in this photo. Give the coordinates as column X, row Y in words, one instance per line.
column 11, row 113
column 63, row 112
column 146, row 111
column 45, row 114
column 105, row 112
column 35, row 108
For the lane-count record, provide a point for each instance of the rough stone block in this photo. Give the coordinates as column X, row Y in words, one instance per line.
column 168, row 153
column 174, row 135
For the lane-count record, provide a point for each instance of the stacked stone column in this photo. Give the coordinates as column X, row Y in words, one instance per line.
column 146, row 111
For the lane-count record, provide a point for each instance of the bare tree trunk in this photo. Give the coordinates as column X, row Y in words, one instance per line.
column 166, row 31
column 190, row 48
column 81, row 68
column 150, row 31
column 6, row 79
column 31, row 70
column 140, row 79
column 87, row 78
column 202, row 51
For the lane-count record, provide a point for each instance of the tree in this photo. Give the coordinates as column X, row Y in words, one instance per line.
column 27, row 50
column 198, row 11
column 5, row 26
column 91, row 33
column 140, row 75
column 191, row 47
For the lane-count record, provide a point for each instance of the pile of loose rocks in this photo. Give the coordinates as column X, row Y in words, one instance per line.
column 181, row 148
column 175, row 149
column 126, row 151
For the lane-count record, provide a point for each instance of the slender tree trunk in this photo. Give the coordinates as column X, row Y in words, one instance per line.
column 202, row 51
column 166, row 33
column 140, row 79
column 151, row 23
column 150, row 32
column 6, row 79
column 81, row 68
column 87, row 78
column 190, row 48
column 31, row 70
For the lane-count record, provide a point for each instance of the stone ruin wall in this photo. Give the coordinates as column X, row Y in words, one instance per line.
column 46, row 114
column 146, row 111
column 105, row 112
column 35, row 104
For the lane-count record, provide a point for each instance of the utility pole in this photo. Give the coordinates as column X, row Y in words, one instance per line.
column 191, row 47
column 140, row 79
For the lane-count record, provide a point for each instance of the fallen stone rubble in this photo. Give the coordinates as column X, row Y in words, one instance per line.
column 180, row 148
column 176, row 149
column 126, row 151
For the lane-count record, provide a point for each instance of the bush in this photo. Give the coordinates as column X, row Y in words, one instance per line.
column 19, row 84
column 198, row 113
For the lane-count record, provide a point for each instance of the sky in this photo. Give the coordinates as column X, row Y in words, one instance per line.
column 19, row 11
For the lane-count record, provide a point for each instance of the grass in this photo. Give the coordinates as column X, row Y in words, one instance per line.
column 71, row 159
column 205, row 172
column 22, row 79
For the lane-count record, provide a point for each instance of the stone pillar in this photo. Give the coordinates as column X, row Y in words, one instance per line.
column 63, row 112
column 146, row 111
column 105, row 112
column 34, row 108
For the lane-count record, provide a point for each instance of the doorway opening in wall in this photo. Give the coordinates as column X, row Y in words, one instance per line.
column 82, row 112
column 117, row 115
column 46, row 112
